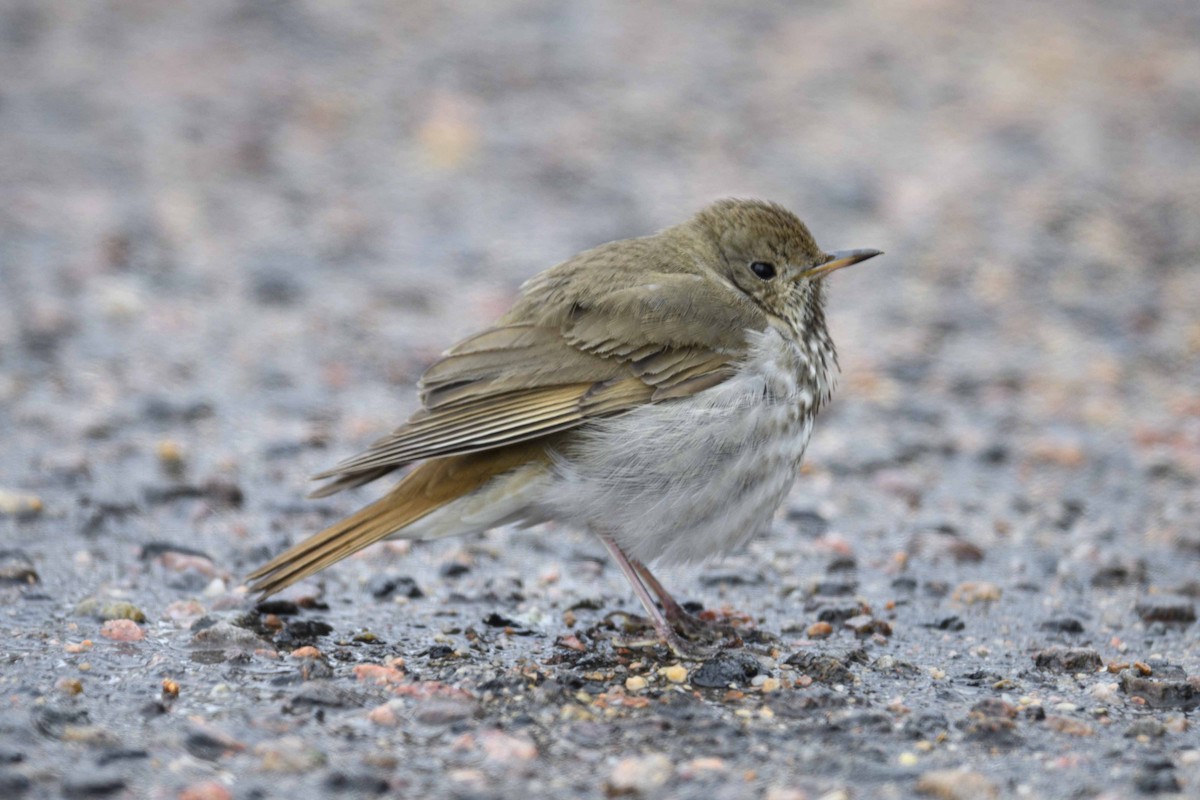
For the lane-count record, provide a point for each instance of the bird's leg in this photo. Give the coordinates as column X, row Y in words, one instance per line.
column 675, row 612
column 662, row 627
column 680, row 618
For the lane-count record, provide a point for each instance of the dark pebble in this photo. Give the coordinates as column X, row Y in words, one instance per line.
column 1120, row 572
column 162, row 410
column 16, row 568
column 206, row 747
column 272, row 286
column 444, row 712
column 360, row 784
column 1062, row 625
column 453, row 570
column 1166, row 608
column 307, row 630
column 494, row 620
column 724, row 670
column 320, row 693
column 834, row 588
column 51, row 721
column 950, row 623
column 92, row 785
column 926, row 725
column 1068, row 659
column 384, row 586
column 152, row 550
column 1147, row 726
column 992, row 721
column 280, row 608
column 120, row 754
column 1158, row 693
column 809, row 523
column 1156, row 777
column 732, row 579
column 822, row 668
column 835, row 610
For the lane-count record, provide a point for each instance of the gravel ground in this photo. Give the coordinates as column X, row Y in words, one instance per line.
column 233, row 233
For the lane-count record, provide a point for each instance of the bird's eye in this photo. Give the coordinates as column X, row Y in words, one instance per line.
column 763, row 269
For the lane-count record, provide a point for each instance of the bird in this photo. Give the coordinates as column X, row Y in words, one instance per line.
column 658, row 391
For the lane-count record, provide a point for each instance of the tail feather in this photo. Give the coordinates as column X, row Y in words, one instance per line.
column 422, row 491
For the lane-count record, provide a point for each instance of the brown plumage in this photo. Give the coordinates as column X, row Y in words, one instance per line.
column 510, row 416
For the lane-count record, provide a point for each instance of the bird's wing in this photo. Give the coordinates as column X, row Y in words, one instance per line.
column 556, row 361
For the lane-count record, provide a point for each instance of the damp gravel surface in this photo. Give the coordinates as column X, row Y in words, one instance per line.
column 232, row 234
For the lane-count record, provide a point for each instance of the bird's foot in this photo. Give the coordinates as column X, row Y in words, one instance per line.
column 687, row 637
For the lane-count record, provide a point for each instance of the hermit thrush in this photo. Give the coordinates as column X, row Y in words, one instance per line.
column 658, row 391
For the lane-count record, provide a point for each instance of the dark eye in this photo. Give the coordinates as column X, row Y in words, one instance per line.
column 763, row 269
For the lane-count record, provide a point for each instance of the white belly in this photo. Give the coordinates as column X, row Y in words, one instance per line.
column 686, row 479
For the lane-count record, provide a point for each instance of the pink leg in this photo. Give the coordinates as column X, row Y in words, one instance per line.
column 661, row 626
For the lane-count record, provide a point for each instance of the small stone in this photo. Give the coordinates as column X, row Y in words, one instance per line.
column 206, row 790
column 183, row 612
column 972, row 592
column 954, row 784
column 503, row 748
column 122, row 630
column 676, row 673
column 16, row 569
column 1166, row 608
column 726, row 669
column 1148, row 727
column 386, row 714
column 95, row 784
column 819, row 630
column 770, row 685
column 69, row 686
column 109, row 610
column 640, row 774
column 1062, row 625
column 1068, row 659
column 19, row 504
column 1068, row 726
column 821, row 667
column 1161, row 692
column 635, row 683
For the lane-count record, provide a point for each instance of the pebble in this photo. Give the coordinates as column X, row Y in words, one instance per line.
column 821, row 667
column 1147, row 727
column 16, row 569
column 635, row 683
column 726, row 669
column 109, row 609
column 954, row 784
column 972, row 592
column 21, row 505
column 640, row 774
column 1068, row 659
column 122, row 630
column 676, row 673
column 205, row 790
column 1166, row 608
column 819, row 630
column 1160, row 692
column 502, row 748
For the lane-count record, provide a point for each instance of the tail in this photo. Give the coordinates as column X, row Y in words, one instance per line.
column 422, row 491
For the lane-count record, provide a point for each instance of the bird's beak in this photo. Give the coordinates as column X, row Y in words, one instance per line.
column 839, row 259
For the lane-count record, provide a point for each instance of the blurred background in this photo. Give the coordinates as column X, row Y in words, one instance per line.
column 234, row 232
